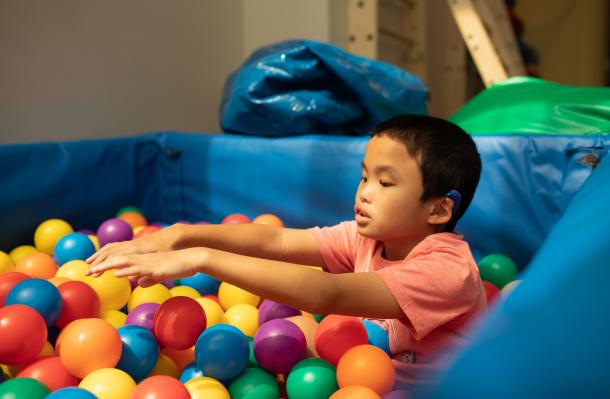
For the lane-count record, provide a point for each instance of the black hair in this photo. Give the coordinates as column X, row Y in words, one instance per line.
column 446, row 154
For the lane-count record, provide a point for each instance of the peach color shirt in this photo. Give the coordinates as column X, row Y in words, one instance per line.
column 437, row 286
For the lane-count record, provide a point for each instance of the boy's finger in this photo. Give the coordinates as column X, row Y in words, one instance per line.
column 127, row 271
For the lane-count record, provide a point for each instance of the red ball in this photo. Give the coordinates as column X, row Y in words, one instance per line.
column 80, row 302
column 491, row 292
column 148, row 230
column 50, row 371
column 336, row 334
column 236, row 218
column 8, row 281
column 178, row 322
column 23, row 333
column 160, row 387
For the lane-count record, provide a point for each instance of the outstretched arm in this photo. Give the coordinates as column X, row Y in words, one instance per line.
column 355, row 294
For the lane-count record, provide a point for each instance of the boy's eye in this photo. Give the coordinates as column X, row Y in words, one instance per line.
column 385, row 183
column 364, row 179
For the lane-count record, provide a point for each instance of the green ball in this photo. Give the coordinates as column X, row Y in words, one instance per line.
column 129, row 209
column 497, row 269
column 254, row 383
column 312, row 378
column 318, row 317
column 252, row 360
column 23, row 388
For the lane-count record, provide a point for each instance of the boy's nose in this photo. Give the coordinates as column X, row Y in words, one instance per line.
column 365, row 194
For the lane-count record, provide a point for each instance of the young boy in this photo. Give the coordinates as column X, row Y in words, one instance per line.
column 398, row 262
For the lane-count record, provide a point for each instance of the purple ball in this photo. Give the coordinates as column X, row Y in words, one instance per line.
column 398, row 394
column 143, row 315
column 114, row 230
column 278, row 345
column 271, row 310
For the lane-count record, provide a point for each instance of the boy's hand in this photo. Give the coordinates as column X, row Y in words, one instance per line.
column 149, row 269
column 162, row 240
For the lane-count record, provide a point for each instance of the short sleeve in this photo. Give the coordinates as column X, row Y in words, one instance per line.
column 337, row 246
column 433, row 288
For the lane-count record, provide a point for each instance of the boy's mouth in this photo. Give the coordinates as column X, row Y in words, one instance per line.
column 361, row 216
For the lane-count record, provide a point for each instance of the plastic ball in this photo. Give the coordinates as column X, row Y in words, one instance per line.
column 311, row 379
column 8, row 281
column 49, row 232
column 206, row 388
column 23, row 334
column 23, row 388
column 19, row 252
column 37, row 264
column 396, row 394
column 355, row 392
column 116, row 318
column 278, row 345
column 160, row 387
column 80, row 301
column 6, row 263
column 39, row 294
column 94, row 337
column 73, row 270
column 139, row 353
column 236, row 218
column 114, row 230
column 508, row 288
column 190, row 371
column 270, row 310
column 157, row 293
column 143, row 315
column 497, row 269
column 254, row 383
column 268, row 219
column 366, row 365
column 181, row 358
column 230, row 295
column 203, row 283
column 244, row 317
column 165, row 366
column 126, row 209
column 134, row 219
column 71, row 393
column 182, row 290
column 109, row 383
column 73, row 246
column 377, row 336
column 95, row 241
column 50, row 371
column 57, row 281
column 222, row 352
column 114, row 292
column 251, row 359
column 178, row 322
column 491, row 292
column 336, row 334
column 309, row 327
column 213, row 311
column 146, row 231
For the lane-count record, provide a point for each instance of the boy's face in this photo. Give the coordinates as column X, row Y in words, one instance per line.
column 388, row 206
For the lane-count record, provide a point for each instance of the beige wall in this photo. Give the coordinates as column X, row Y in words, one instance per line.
column 72, row 69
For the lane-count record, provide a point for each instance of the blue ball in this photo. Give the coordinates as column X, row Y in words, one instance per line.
column 71, row 393
column 73, row 246
column 377, row 336
column 38, row 294
column 140, row 351
column 203, row 283
column 190, row 371
column 222, row 352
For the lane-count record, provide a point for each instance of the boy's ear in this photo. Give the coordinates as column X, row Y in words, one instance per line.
column 440, row 212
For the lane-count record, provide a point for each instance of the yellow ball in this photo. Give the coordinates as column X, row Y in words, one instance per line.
column 165, row 366
column 158, row 293
column 213, row 311
column 95, row 241
column 183, row 290
column 244, row 317
column 114, row 317
column 19, row 252
column 47, row 350
column 6, row 370
column 508, row 288
column 49, row 232
column 137, row 229
column 114, row 292
column 230, row 295
column 206, row 388
column 6, row 263
column 73, row 270
column 109, row 384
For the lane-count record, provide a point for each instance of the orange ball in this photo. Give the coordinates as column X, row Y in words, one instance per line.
column 148, row 230
column 87, row 345
column 337, row 334
column 181, row 357
column 366, row 365
column 268, row 219
column 134, row 219
column 160, row 387
column 236, row 218
column 50, row 371
column 355, row 392
column 37, row 264
column 308, row 325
